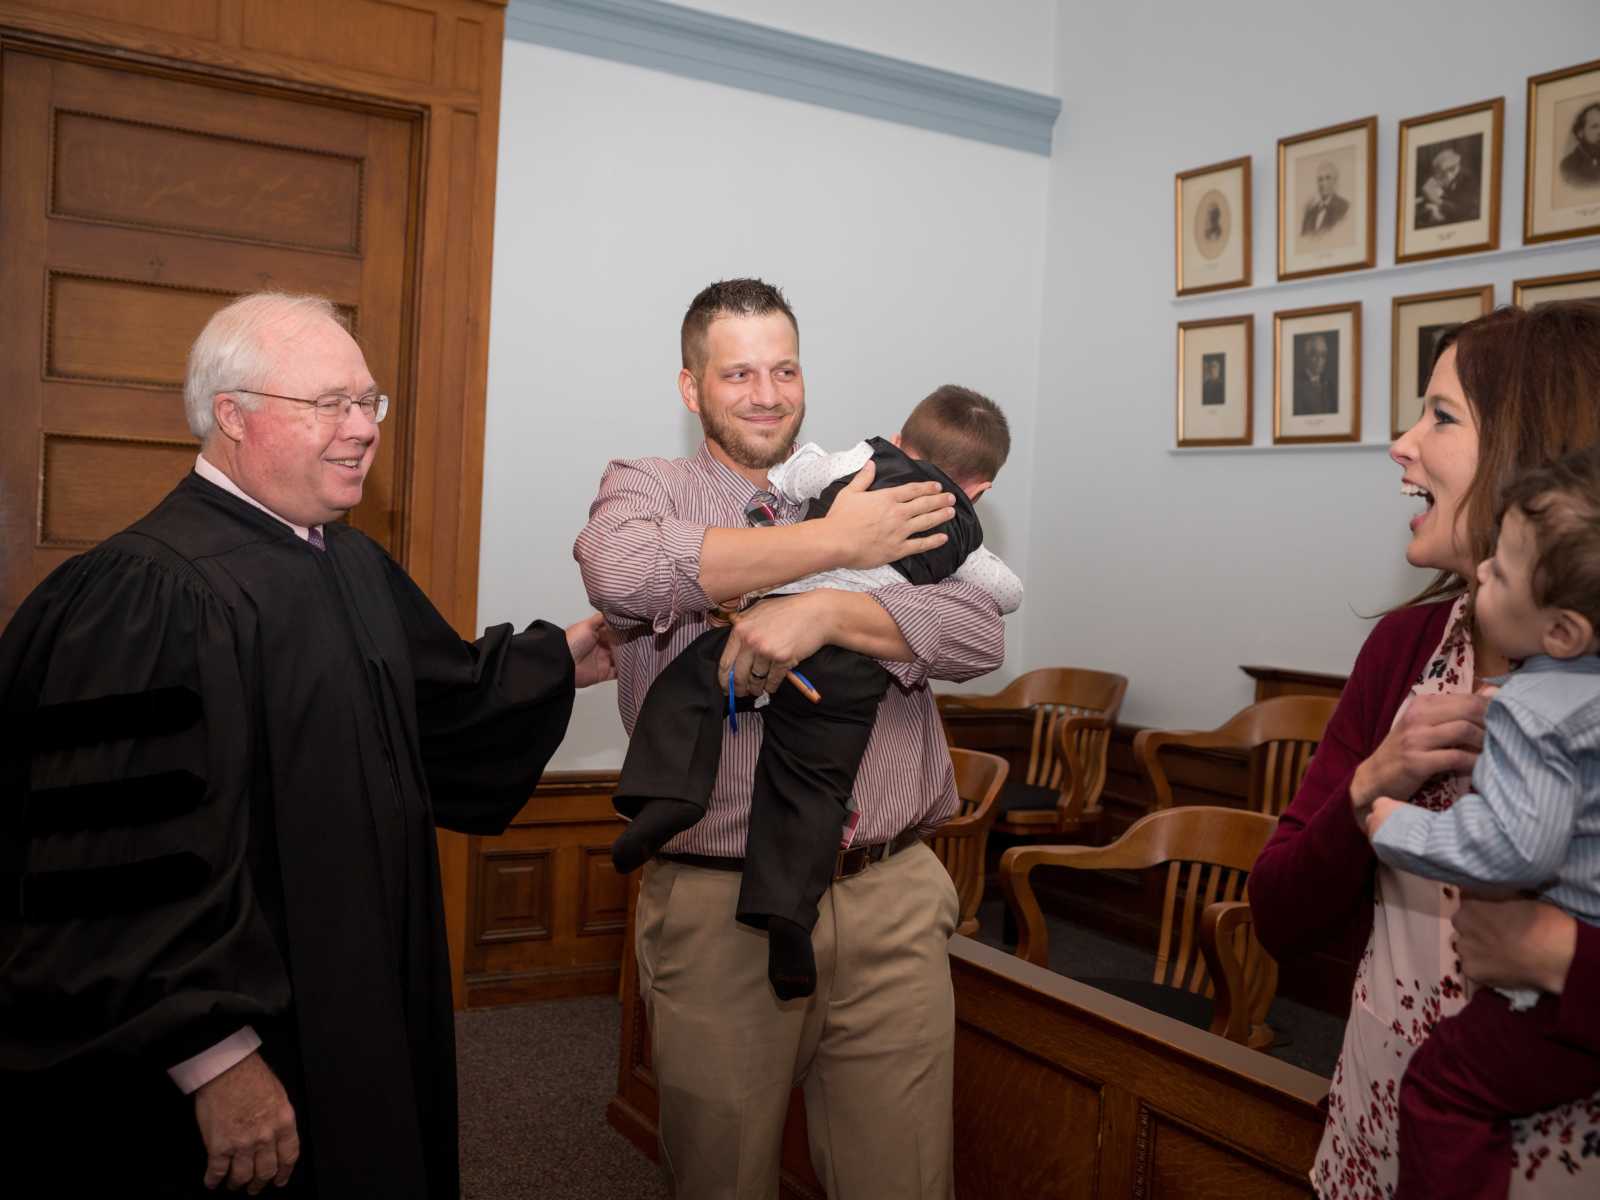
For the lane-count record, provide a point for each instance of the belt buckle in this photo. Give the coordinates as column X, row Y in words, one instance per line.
column 850, row 863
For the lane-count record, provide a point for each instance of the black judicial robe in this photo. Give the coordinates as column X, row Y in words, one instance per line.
column 222, row 757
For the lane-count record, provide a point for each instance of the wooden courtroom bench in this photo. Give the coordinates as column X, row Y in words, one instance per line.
column 1129, row 908
column 1062, row 1091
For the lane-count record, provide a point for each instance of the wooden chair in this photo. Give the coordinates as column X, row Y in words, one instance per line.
column 1074, row 710
column 961, row 841
column 1280, row 735
column 1208, row 853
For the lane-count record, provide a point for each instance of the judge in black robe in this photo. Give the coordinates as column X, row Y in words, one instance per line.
column 224, row 755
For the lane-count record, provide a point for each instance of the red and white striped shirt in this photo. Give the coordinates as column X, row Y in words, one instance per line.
column 640, row 558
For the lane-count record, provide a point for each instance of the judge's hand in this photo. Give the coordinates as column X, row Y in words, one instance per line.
column 771, row 638
column 1515, row 943
column 590, row 641
column 248, row 1127
column 1436, row 734
column 874, row 528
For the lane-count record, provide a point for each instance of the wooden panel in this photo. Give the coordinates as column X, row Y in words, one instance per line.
column 603, row 894
column 123, row 332
column 1186, row 1165
column 1051, row 1110
column 1283, row 681
column 94, row 486
column 468, row 53
column 187, row 181
column 369, row 35
column 195, row 18
column 1062, row 1090
column 514, row 896
column 569, row 824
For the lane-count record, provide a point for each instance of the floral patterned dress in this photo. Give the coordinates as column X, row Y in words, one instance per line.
column 1407, row 981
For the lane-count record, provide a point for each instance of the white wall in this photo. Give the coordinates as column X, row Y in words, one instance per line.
column 1174, row 569
column 912, row 259
column 1002, row 41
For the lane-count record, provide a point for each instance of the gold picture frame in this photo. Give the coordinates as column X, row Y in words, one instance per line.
column 1316, row 374
column 1327, row 200
column 1576, row 285
column 1561, row 181
column 1447, row 198
column 1216, row 396
column 1417, row 322
column 1212, row 206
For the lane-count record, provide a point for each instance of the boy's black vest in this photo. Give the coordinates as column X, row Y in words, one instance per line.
column 894, row 467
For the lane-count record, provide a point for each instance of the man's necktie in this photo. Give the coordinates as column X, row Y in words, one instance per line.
column 314, row 536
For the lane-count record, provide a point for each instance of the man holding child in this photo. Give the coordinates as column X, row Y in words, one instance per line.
column 668, row 542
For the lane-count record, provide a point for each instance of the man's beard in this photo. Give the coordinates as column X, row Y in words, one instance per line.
column 745, row 451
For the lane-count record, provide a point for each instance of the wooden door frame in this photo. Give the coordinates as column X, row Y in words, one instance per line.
column 416, row 118
column 447, row 348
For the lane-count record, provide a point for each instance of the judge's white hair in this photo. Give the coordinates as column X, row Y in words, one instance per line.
column 229, row 353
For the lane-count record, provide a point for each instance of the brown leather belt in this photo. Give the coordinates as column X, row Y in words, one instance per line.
column 847, row 863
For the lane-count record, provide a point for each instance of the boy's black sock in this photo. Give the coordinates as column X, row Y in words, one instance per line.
column 657, row 823
column 791, row 963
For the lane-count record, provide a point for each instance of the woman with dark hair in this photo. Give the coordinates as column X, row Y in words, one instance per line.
column 1511, row 390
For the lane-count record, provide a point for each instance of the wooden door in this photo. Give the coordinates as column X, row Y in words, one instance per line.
column 134, row 202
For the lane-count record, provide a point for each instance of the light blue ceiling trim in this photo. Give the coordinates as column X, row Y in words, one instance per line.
column 682, row 41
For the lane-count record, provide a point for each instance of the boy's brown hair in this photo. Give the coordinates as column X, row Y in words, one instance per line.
column 1562, row 504
column 960, row 431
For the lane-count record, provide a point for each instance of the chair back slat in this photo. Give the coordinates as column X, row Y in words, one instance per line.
column 1276, row 769
column 1194, row 874
column 1168, row 902
column 1036, row 760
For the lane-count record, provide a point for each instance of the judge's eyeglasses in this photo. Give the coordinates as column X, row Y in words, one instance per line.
column 335, row 406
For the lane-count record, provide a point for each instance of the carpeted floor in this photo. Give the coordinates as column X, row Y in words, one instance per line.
column 536, row 1078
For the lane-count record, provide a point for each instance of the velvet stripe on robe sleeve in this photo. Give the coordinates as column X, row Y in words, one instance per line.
column 128, row 926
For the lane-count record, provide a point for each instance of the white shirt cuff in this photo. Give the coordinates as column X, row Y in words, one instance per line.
column 196, row 1072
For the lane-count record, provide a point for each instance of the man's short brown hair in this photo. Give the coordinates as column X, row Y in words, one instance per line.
column 727, row 298
column 960, row 431
column 1562, row 504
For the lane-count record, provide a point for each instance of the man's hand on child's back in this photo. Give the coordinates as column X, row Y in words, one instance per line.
column 876, row 528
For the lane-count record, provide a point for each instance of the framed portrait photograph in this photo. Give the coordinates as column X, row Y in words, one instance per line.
column 1316, row 374
column 1215, row 398
column 1419, row 323
column 1579, row 285
column 1563, row 173
column 1213, row 207
column 1327, row 190
column 1449, row 182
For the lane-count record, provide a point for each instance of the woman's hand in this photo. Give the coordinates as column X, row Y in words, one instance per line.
column 1515, row 943
column 1437, row 734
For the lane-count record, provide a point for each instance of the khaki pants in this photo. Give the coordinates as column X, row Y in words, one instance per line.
column 872, row 1049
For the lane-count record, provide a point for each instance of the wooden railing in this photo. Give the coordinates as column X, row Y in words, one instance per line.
column 1063, row 1091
